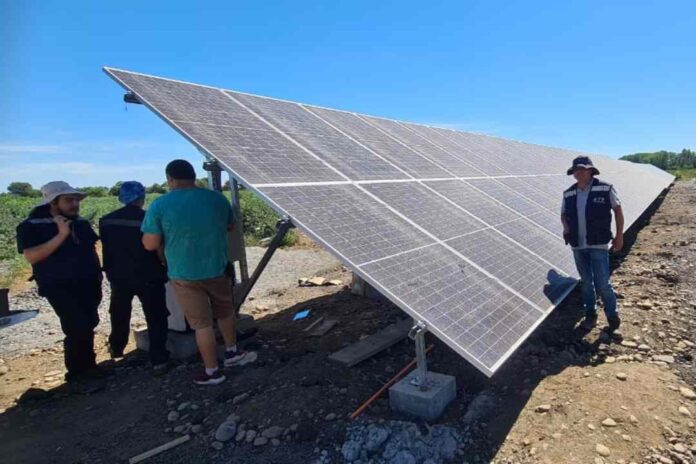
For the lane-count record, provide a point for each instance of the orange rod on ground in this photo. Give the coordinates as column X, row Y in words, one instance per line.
column 391, row 382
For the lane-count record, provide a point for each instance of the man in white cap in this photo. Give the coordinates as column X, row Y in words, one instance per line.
column 134, row 271
column 59, row 245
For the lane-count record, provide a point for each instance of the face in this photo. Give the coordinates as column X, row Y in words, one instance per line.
column 68, row 205
column 582, row 175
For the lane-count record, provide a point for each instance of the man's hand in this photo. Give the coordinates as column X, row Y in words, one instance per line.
column 617, row 243
column 63, row 225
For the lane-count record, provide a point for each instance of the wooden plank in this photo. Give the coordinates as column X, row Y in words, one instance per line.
column 159, row 449
column 370, row 346
column 323, row 328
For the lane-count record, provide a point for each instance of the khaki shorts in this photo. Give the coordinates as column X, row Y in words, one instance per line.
column 203, row 300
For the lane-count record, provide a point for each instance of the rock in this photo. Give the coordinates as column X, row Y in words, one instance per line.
column 609, row 360
column 260, row 441
column 183, row 406
column 602, row 450
column 217, row 445
column 629, row 344
column 542, row 408
column 621, row 375
column 331, row 416
column 240, row 398
column 240, row 436
column 665, row 358
column 687, row 393
column 684, row 411
column 403, row 457
column 272, row 432
column 233, row 418
column 679, row 448
column 250, row 436
column 644, row 347
column 275, row 442
column 591, row 427
column 609, row 422
column 351, row 451
column 626, row 437
column 376, row 436
column 226, row 431
column 198, row 428
column 4, row 369
column 633, row 419
column 173, row 416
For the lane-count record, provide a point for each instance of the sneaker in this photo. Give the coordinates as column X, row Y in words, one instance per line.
column 239, row 358
column 114, row 353
column 204, row 379
column 590, row 321
column 614, row 323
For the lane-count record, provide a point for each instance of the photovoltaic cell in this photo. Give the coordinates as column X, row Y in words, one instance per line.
column 473, row 201
column 353, row 160
column 364, row 231
column 461, row 230
column 448, row 161
column 426, row 208
column 461, row 304
column 528, row 275
column 397, row 153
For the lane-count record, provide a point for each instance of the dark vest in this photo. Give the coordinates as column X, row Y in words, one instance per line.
column 597, row 213
column 125, row 259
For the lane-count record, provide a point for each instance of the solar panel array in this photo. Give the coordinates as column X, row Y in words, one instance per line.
column 460, row 230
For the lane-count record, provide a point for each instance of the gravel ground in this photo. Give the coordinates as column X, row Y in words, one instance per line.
column 284, row 269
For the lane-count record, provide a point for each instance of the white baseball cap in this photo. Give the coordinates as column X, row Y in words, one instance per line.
column 50, row 191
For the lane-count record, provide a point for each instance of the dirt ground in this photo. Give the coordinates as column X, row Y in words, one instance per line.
column 566, row 396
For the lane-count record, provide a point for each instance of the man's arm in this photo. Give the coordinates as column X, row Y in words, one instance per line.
column 617, row 243
column 152, row 242
column 40, row 252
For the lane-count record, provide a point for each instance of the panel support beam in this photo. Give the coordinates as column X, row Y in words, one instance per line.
column 417, row 334
column 282, row 228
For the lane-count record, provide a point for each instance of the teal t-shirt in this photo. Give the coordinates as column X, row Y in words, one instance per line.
column 193, row 223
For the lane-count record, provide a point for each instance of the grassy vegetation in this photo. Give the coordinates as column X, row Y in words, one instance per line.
column 684, row 173
column 259, row 222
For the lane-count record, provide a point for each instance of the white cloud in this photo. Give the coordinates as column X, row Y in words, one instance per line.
column 39, row 149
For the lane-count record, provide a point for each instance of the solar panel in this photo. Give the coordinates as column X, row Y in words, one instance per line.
column 459, row 230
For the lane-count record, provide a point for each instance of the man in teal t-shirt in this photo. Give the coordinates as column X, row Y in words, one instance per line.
column 192, row 224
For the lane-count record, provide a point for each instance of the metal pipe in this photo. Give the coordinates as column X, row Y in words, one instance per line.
column 283, row 226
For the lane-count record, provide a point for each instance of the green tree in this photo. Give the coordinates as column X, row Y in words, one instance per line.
column 156, row 188
column 115, row 189
column 22, row 189
column 95, row 191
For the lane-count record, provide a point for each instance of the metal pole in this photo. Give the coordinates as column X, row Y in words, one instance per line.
column 283, row 225
column 417, row 334
column 243, row 266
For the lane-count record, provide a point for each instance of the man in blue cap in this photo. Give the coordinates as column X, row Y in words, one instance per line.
column 586, row 217
column 134, row 271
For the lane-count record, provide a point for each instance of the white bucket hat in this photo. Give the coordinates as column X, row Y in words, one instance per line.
column 50, row 191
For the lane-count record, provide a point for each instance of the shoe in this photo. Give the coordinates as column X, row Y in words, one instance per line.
column 239, row 358
column 590, row 321
column 614, row 323
column 204, row 379
column 114, row 353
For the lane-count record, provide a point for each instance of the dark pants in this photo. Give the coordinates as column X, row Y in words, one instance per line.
column 76, row 305
column 152, row 297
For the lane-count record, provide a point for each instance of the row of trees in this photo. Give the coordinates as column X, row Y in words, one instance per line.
column 25, row 189
column 686, row 159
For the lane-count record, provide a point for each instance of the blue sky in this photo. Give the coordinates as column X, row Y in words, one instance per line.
column 607, row 77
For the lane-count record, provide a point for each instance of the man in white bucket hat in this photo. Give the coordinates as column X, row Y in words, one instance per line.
column 59, row 245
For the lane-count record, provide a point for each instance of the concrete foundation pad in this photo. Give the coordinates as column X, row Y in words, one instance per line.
column 407, row 398
column 182, row 345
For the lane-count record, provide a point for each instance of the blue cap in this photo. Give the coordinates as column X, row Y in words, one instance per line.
column 131, row 191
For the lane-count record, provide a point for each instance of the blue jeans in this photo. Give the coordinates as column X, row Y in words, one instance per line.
column 593, row 267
